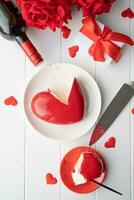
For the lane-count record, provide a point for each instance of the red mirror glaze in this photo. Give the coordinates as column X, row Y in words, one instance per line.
column 46, row 106
column 91, row 167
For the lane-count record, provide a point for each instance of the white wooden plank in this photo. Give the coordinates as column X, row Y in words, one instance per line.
column 132, row 106
column 111, row 78
column 42, row 154
column 12, row 80
column 84, row 62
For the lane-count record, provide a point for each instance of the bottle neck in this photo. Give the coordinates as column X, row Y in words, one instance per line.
column 29, row 48
column 21, row 38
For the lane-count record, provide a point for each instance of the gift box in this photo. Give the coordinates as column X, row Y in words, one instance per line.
column 100, row 41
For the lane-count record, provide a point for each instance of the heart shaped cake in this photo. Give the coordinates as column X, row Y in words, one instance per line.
column 89, row 166
column 48, row 107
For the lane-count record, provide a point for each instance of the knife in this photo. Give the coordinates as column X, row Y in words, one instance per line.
column 113, row 110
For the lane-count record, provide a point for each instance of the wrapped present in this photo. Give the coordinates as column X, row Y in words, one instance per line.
column 101, row 42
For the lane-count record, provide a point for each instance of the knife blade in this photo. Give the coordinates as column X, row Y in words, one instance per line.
column 120, row 100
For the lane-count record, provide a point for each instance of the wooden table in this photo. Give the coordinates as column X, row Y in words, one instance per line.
column 25, row 155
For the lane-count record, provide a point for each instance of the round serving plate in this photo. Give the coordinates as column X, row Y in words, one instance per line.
column 59, row 78
column 67, row 166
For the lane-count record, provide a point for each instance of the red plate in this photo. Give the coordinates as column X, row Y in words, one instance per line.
column 67, row 166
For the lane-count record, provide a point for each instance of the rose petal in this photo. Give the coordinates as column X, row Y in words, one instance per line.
column 61, row 11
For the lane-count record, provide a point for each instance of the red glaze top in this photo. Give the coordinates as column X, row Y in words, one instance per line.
column 92, row 166
column 48, row 107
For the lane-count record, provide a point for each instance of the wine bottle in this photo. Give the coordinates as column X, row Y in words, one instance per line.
column 12, row 27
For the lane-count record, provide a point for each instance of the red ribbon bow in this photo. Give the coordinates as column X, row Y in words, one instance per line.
column 103, row 40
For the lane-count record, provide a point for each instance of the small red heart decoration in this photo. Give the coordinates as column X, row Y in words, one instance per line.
column 48, row 107
column 11, row 101
column 132, row 111
column 110, row 143
column 128, row 13
column 50, row 179
column 73, row 50
column 66, row 32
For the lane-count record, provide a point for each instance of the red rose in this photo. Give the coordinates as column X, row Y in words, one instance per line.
column 94, row 7
column 44, row 14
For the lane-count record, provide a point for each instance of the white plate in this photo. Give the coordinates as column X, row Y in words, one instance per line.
column 59, row 78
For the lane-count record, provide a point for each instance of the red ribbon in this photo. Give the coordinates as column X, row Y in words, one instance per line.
column 103, row 40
